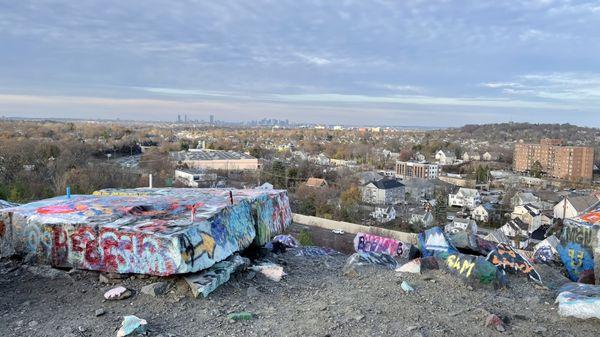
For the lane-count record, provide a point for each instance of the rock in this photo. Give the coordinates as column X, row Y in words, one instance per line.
column 32, row 324
column 132, row 324
column 240, row 316
column 104, row 279
column 413, row 266
column 81, row 329
column 155, row 289
column 252, row 292
column 412, row 327
column 48, row 272
column 99, row 312
column 251, row 274
column 350, row 271
column 406, row 287
column 118, row 293
column 539, row 329
column 496, row 322
column 272, row 271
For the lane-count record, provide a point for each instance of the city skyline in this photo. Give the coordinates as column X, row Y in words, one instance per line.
column 419, row 63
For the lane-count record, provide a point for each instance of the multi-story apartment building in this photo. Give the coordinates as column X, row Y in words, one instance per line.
column 409, row 169
column 555, row 159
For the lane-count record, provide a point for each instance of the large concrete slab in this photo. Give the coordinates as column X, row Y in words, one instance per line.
column 145, row 231
column 578, row 240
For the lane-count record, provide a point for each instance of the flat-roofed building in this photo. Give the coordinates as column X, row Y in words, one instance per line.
column 410, row 169
column 555, row 159
column 215, row 159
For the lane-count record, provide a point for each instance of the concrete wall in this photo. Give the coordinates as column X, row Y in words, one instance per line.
column 353, row 228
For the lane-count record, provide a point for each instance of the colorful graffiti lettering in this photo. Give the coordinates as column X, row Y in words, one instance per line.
column 507, row 259
column 364, row 242
column 578, row 233
column 576, row 259
column 463, row 267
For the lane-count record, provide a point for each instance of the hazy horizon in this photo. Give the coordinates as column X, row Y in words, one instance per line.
column 412, row 63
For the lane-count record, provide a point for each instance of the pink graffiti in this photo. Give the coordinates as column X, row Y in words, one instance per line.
column 364, row 242
column 61, row 209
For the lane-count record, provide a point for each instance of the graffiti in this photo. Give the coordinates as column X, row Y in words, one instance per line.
column 371, row 258
column 2, row 228
column 472, row 269
column 507, row 259
column 581, row 234
column 313, row 251
column 364, row 242
column 543, row 255
column 463, row 267
column 576, row 259
column 207, row 281
column 434, row 241
column 145, row 231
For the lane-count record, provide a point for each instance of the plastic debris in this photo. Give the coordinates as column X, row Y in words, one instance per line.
column 406, row 287
column 240, row 316
column 272, row 271
column 117, row 293
column 579, row 300
column 413, row 266
column 132, row 324
column 206, row 281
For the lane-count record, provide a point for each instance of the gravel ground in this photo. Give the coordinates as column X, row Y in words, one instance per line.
column 314, row 299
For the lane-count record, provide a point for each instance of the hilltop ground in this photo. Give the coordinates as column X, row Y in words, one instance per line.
column 314, row 299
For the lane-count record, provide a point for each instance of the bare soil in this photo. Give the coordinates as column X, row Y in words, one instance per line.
column 314, row 299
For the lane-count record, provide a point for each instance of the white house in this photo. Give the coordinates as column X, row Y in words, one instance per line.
column 383, row 192
column 461, row 225
column 489, row 156
column 471, row 156
column 465, row 197
column 445, row 157
column 483, row 212
column 384, row 214
column 522, row 198
column 529, row 214
column 517, row 233
column 421, row 218
column 571, row 207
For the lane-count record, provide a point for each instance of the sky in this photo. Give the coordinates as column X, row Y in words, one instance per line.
column 364, row 62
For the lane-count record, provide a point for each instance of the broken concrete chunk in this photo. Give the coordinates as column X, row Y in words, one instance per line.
column 365, row 242
column 118, row 293
column 508, row 259
column 132, row 324
column 206, row 281
column 155, row 289
column 406, row 287
column 579, row 300
column 413, row 266
column 373, row 259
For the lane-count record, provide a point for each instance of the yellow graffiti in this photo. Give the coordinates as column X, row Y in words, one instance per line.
column 206, row 247
column 463, row 267
column 578, row 255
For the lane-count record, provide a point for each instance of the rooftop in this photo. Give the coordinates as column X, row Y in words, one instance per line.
column 204, row 154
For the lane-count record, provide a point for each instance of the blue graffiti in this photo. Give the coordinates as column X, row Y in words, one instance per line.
column 576, row 259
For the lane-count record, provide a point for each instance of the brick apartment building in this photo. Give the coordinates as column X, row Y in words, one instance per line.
column 409, row 169
column 556, row 160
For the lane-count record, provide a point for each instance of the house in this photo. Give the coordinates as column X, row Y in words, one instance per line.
column 316, row 182
column 571, row 207
column 417, row 189
column 461, row 225
column 383, row 192
column 195, row 177
column 445, row 157
column 421, row 218
column 497, row 236
column 522, row 198
column 419, row 157
column 487, row 156
column 529, row 214
column 465, row 197
column 471, row 156
column 368, row 176
column 517, row 233
column 384, row 214
column 484, row 212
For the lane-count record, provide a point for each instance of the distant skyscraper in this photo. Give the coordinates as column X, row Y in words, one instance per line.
column 178, row 118
column 212, row 119
column 185, row 118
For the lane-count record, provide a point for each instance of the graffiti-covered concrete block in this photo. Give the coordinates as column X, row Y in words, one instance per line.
column 365, row 242
column 145, row 231
column 578, row 239
column 472, row 269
